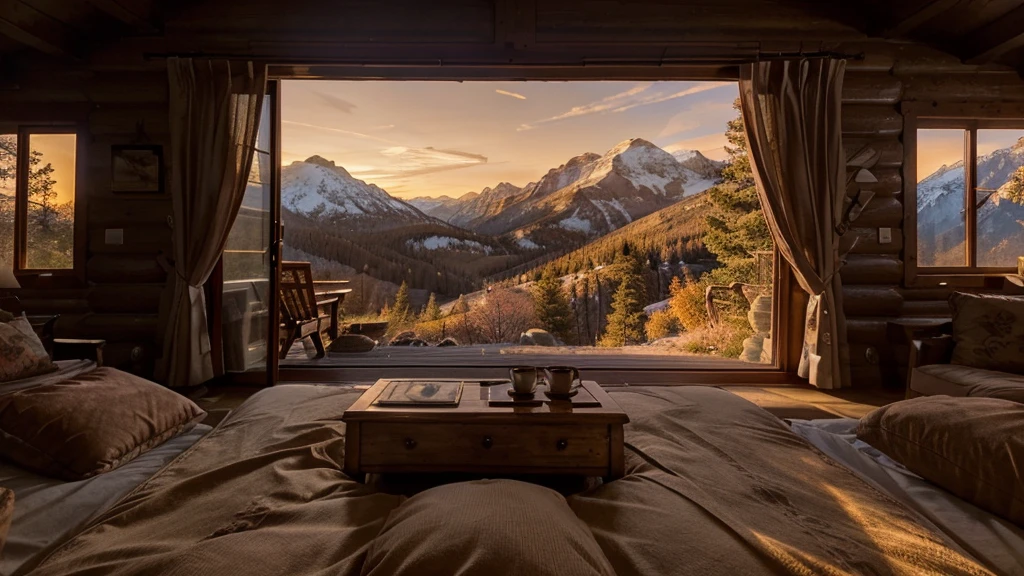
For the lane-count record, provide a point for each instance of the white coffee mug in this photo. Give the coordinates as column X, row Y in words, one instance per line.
column 562, row 379
column 524, row 379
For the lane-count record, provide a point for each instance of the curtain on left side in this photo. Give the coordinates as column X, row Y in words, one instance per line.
column 214, row 117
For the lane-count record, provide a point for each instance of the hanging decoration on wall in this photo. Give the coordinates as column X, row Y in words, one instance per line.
column 136, row 169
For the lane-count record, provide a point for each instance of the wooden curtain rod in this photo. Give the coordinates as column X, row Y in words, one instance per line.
column 703, row 60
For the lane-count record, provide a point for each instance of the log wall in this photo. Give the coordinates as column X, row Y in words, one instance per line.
column 874, row 290
column 125, row 285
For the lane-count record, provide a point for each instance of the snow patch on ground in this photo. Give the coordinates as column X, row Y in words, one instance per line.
column 696, row 185
column 449, row 243
column 526, row 243
column 575, row 223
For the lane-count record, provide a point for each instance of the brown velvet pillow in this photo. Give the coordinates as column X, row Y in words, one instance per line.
column 988, row 331
column 90, row 424
column 972, row 447
column 485, row 528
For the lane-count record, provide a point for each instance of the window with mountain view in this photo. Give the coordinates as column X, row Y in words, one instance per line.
column 952, row 200
column 583, row 218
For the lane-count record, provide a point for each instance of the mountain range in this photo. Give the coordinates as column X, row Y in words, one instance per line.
column 585, row 198
column 449, row 243
column 940, row 212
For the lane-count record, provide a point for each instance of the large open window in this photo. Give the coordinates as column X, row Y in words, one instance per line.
column 965, row 205
column 38, row 168
column 607, row 224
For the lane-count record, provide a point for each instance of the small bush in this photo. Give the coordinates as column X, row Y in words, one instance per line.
column 687, row 305
column 661, row 323
column 725, row 340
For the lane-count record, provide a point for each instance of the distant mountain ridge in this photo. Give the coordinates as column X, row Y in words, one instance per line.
column 940, row 209
column 588, row 196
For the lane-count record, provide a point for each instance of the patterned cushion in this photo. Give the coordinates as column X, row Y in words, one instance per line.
column 988, row 331
column 21, row 352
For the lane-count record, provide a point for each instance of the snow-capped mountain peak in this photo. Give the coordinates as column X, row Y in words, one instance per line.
column 319, row 187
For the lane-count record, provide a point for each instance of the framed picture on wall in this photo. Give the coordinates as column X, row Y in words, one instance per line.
column 136, row 169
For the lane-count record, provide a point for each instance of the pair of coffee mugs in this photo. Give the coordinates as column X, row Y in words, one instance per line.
column 562, row 380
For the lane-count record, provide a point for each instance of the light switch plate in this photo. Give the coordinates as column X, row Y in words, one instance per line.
column 885, row 235
column 114, row 236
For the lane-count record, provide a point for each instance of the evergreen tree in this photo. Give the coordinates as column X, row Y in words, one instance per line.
column 625, row 324
column 736, row 226
column 460, row 306
column 433, row 310
column 400, row 311
column 551, row 305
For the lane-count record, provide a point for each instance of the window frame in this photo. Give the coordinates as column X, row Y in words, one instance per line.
column 49, row 277
column 970, row 119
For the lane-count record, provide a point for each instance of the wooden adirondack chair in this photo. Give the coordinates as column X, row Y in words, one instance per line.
column 300, row 309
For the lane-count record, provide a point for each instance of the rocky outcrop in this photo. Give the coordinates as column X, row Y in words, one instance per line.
column 352, row 344
column 538, row 337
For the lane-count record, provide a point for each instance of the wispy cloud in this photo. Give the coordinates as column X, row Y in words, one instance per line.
column 512, row 94
column 384, row 127
column 339, row 131
column 404, row 161
column 639, row 95
column 339, row 104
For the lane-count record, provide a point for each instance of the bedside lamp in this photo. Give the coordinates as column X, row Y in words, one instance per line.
column 7, row 279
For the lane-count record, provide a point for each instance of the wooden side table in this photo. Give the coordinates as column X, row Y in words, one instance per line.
column 78, row 349
column 553, row 438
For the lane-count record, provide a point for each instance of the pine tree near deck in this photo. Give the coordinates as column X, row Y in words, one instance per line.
column 626, row 321
column 433, row 311
column 552, row 306
column 400, row 312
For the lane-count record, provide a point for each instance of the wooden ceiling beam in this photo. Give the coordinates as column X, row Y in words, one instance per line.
column 29, row 26
column 995, row 39
column 136, row 14
column 924, row 13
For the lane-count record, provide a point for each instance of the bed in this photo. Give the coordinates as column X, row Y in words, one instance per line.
column 987, row 537
column 714, row 485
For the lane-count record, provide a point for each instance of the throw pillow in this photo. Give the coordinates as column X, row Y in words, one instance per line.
column 21, row 352
column 972, row 447
column 988, row 331
column 91, row 423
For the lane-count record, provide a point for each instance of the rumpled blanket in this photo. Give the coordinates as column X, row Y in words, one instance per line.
column 714, row 485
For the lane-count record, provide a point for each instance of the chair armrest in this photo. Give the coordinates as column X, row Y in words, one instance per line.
column 78, row 349
column 925, row 351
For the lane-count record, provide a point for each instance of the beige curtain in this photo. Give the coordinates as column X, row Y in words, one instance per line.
column 792, row 115
column 214, row 113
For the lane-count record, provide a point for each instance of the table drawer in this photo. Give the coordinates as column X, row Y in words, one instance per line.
column 479, row 447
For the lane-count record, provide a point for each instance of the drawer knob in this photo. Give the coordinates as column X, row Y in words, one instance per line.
column 562, row 444
column 410, row 443
column 488, row 442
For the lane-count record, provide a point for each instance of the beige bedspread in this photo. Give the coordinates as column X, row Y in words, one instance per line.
column 714, row 485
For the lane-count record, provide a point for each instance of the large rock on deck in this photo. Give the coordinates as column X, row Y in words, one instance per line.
column 352, row 344
column 538, row 337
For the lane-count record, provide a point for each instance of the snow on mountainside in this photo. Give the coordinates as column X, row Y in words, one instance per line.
column 699, row 163
column 940, row 209
column 318, row 187
column 592, row 194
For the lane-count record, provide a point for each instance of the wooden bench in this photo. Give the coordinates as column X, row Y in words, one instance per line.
column 303, row 312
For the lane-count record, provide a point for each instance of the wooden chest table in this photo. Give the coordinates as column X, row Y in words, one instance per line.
column 553, row 438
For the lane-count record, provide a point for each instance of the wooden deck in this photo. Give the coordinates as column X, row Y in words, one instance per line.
column 632, row 367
